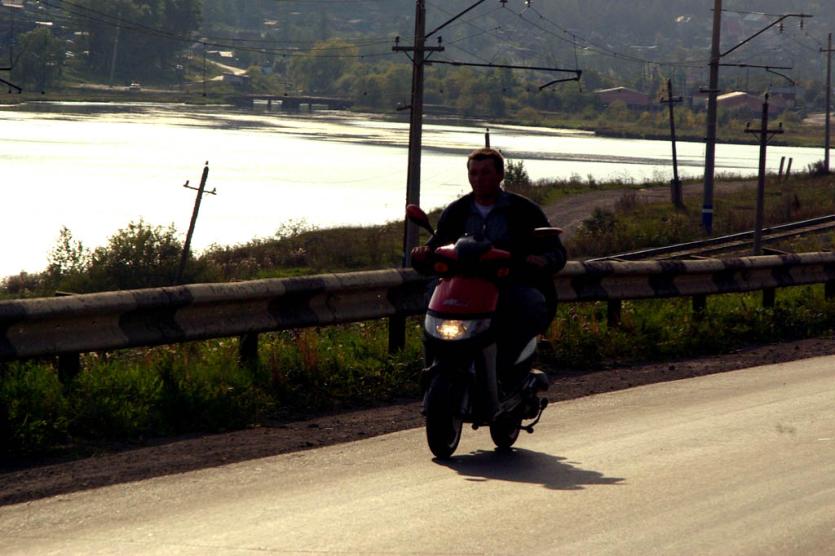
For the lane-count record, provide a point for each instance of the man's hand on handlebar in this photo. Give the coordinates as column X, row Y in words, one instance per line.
column 420, row 254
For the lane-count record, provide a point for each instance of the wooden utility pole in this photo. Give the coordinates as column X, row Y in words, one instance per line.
column 710, row 138
column 827, row 140
column 764, row 133
column 187, row 247
column 675, row 184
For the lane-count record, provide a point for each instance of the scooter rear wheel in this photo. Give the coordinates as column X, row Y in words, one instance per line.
column 505, row 430
column 443, row 425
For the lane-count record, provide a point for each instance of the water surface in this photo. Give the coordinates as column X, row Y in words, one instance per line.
column 96, row 167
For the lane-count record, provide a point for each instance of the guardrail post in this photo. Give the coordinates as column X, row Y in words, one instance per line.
column 829, row 289
column 397, row 333
column 248, row 350
column 699, row 306
column 769, row 296
column 69, row 365
column 613, row 312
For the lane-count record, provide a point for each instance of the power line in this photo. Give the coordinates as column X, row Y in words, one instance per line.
column 602, row 50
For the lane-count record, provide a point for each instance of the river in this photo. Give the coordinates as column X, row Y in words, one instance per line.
column 96, row 167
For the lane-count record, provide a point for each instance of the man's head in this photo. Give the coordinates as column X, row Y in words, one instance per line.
column 485, row 169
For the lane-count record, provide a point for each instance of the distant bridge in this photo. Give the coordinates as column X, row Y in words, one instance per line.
column 291, row 103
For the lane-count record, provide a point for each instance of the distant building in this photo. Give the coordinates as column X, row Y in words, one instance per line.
column 222, row 54
column 632, row 98
column 739, row 101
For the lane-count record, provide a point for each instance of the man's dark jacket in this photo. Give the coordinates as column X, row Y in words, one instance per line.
column 508, row 226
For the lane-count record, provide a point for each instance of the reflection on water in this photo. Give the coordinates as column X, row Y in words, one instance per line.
column 94, row 167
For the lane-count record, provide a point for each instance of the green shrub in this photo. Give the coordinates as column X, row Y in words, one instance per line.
column 205, row 389
column 33, row 411
column 115, row 399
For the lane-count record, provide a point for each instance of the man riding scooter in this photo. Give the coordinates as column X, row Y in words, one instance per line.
column 527, row 301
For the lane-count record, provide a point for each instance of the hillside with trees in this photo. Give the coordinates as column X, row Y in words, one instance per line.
column 344, row 48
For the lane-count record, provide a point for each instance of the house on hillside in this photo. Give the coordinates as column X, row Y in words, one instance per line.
column 740, row 101
column 632, row 98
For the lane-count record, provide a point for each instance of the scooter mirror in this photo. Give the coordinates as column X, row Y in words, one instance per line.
column 545, row 233
column 416, row 215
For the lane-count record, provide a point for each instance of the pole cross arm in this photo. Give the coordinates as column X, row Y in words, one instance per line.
column 763, row 30
column 577, row 73
column 412, row 48
column 503, row 66
column 767, row 68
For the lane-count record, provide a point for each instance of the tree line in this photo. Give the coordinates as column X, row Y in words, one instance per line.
column 345, row 49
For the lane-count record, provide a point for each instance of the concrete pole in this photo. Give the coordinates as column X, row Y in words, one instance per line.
column 827, row 140
column 415, row 129
column 397, row 323
column 115, row 49
column 677, row 196
column 710, row 138
column 758, row 219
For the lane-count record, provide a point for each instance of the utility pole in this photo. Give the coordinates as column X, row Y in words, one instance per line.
column 115, row 49
column 713, row 92
column 187, row 247
column 397, row 324
column 675, row 184
column 763, row 132
column 827, row 140
column 418, row 51
column 710, row 139
column 204, row 69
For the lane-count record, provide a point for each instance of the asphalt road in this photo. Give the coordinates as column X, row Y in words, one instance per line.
column 733, row 463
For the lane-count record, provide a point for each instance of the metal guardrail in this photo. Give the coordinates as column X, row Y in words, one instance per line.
column 115, row 320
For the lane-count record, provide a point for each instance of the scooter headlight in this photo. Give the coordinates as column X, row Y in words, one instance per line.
column 451, row 330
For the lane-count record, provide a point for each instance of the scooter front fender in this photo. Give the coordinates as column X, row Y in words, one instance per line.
column 459, row 380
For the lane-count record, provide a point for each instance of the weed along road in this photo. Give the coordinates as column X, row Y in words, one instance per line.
column 734, row 463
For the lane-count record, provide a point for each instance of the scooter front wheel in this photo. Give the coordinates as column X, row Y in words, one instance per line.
column 443, row 424
column 505, row 430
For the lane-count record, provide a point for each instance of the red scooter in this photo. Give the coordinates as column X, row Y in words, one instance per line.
column 463, row 382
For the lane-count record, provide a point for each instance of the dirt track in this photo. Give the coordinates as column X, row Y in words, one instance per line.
column 570, row 212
